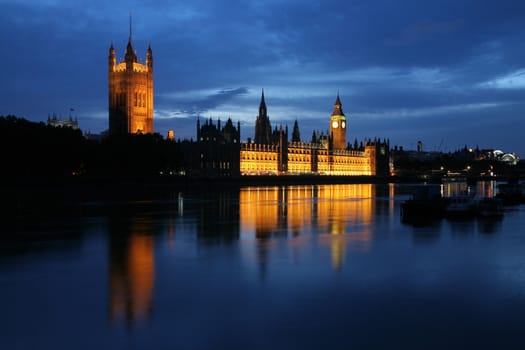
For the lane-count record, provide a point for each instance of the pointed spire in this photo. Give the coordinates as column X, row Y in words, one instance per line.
column 111, row 50
column 130, row 27
column 149, row 58
column 263, row 103
column 112, row 59
column 338, row 106
column 296, row 135
column 262, row 106
column 130, row 56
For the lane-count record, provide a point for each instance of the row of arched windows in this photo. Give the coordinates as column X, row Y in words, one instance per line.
column 259, row 156
column 140, row 99
column 119, row 99
column 298, row 162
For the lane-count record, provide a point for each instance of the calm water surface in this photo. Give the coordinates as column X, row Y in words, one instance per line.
column 328, row 266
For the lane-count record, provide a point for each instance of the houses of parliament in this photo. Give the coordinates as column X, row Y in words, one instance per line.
column 218, row 150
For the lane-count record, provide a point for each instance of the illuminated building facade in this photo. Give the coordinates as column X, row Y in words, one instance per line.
column 274, row 154
column 130, row 92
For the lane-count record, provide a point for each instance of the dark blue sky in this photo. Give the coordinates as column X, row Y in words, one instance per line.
column 448, row 72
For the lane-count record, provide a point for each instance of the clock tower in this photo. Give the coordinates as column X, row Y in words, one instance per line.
column 338, row 125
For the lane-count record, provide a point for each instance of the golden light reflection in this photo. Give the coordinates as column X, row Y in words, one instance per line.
column 453, row 188
column 131, row 273
column 338, row 251
column 486, row 188
column 259, row 210
column 171, row 235
column 391, row 199
column 300, row 208
column 342, row 211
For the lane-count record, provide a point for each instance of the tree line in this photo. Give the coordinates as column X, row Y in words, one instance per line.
column 35, row 149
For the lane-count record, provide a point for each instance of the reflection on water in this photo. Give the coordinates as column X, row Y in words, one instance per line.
column 217, row 217
column 339, row 218
column 481, row 188
column 490, row 225
column 131, row 269
column 341, row 214
column 270, row 267
column 486, row 189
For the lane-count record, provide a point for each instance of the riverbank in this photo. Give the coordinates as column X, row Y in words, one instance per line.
column 30, row 203
column 36, row 198
column 129, row 187
column 101, row 185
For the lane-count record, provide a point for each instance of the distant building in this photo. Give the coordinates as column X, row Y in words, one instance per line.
column 296, row 134
column 325, row 154
column 59, row 122
column 219, row 152
column 500, row 156
column 263, row 128
column 216, row 151
column 338, row 126
column 130, row 92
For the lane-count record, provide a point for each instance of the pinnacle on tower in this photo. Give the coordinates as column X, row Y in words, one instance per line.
column 129, row 40
column 338, row 106
column 296, row 135
column 149, row 57
column 262, row 106
column 263, row 103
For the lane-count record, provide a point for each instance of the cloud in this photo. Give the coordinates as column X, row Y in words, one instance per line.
column 400, row 66
column 424, row 31
column 514, row 80
column 195, row 103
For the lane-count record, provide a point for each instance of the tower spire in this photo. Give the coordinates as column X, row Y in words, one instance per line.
column 262, row 105
column 338, row 106
column 263, row 130
column 130, row 19
column 130, row 53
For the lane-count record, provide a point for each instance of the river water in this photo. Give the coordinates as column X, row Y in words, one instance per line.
column 296, row 267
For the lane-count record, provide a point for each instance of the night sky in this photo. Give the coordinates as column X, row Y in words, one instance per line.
column 449, row 73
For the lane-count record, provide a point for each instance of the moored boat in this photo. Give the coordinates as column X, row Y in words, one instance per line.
column 511, row 193
column 489, row 208
column 462, row 205
column 427, row 204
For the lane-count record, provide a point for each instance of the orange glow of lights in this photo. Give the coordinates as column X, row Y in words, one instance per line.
column 335, row 209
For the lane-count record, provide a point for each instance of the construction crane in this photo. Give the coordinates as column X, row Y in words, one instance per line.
column 440, row 144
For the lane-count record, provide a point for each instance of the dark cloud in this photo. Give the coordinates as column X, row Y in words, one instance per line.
column 193, row 105
column 430, row 69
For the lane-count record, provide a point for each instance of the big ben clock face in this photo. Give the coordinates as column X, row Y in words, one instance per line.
column 343, row 125
column 335, row 124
